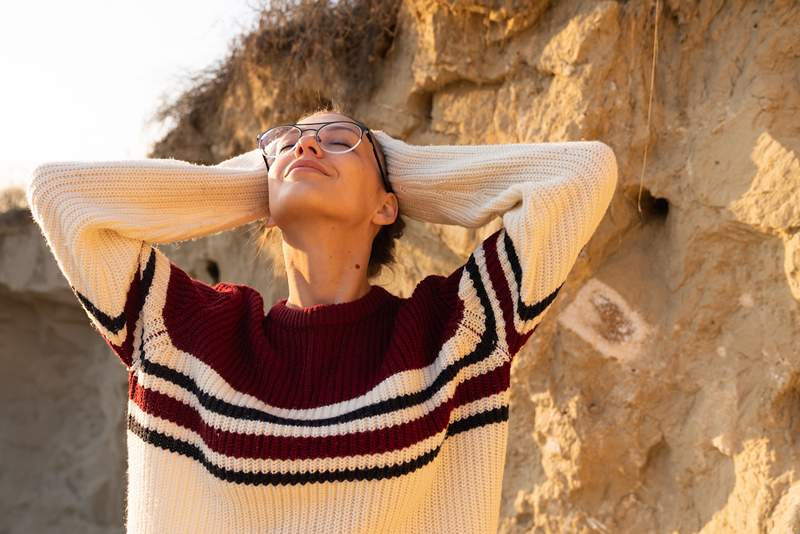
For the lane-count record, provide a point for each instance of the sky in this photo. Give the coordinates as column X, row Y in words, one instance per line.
column 79, row 79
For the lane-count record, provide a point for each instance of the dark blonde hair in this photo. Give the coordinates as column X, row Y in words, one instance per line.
column 383, row 245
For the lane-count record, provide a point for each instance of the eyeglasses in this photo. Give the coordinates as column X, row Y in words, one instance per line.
column 335, row 137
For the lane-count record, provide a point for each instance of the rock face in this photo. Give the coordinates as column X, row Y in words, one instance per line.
column 661, row 394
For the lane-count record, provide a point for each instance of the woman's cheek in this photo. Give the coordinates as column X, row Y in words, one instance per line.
column 274, row 172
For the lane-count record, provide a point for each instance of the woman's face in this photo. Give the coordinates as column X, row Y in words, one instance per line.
column 348, row 190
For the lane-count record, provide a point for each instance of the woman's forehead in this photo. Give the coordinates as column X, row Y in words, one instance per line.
column 324, row 117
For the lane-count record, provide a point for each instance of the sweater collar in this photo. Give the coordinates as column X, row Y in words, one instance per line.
column 329, row 314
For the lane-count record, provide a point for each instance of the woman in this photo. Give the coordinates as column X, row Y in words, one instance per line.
column 329, row 208
column 345, row 408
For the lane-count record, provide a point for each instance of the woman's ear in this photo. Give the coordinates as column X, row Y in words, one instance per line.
column 270, row 222
column 388, row 211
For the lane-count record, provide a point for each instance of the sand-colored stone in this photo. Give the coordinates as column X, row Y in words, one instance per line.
column 661, row 394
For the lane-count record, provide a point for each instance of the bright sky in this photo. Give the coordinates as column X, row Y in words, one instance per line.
column 80, row 78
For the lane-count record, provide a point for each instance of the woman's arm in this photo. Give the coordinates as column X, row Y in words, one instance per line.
column 551, row 197
column 99, row 217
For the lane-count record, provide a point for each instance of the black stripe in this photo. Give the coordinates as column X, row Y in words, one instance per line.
column 525, row 311
column 169, row 443
column 483, row 349
column 495, row 415
column 115, row 324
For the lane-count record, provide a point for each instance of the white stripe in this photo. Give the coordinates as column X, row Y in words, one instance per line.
column 138, row 327
column 480, row 261
column 520, row 326
column 261, row 465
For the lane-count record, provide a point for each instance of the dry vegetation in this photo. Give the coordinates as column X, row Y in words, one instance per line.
column 301, row 55
column 12, row 198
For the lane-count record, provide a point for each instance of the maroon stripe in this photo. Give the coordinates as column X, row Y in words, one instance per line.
column 241, row 445
column 477, row 387
column 133, row 307
column 502, row 291
column 224, row 326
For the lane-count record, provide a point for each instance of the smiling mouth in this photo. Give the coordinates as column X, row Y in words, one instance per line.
column 307, row 168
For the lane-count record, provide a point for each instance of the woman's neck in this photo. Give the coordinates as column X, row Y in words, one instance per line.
column 328, row 268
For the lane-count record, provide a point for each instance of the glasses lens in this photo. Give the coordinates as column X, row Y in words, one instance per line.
column 335, row 137
column 338, row 137
column 278, row 140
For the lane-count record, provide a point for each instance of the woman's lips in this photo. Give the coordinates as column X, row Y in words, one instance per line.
column 305, row 163
column 306, row 168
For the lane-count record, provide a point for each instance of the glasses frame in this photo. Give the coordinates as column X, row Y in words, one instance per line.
column 364, row 130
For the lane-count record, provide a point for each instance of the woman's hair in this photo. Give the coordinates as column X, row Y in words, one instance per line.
column 383, row 245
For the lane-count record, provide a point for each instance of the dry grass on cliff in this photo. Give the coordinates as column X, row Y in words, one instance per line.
column 348, row 36
column 12, row 198
column 337, row 44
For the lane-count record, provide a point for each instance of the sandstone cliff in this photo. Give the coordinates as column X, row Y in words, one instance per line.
column 661, row 394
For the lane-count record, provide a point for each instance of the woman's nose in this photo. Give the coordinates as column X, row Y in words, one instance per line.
column 308, row 141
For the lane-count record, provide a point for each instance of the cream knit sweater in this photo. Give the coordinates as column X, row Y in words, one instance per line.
column 378, row 415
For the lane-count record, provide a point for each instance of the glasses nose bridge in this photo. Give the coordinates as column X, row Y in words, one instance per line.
column 302, row 130
column 314, row 136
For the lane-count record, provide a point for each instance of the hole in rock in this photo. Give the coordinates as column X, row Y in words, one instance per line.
column 654, row 209
column 212, row 268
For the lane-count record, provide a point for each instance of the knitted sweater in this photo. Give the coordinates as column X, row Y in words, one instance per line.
column 379, row 415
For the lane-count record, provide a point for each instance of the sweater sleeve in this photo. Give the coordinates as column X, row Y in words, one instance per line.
column 99, row 219
column 551, row 197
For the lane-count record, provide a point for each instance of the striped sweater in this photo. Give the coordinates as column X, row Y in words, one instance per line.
column 379, row 415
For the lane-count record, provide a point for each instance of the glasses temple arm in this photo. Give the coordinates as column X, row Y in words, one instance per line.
column 375, row 151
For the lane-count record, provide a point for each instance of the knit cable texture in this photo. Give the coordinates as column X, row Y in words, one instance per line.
column 383, row 414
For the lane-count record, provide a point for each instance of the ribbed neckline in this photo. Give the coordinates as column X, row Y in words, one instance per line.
column 329, row 314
